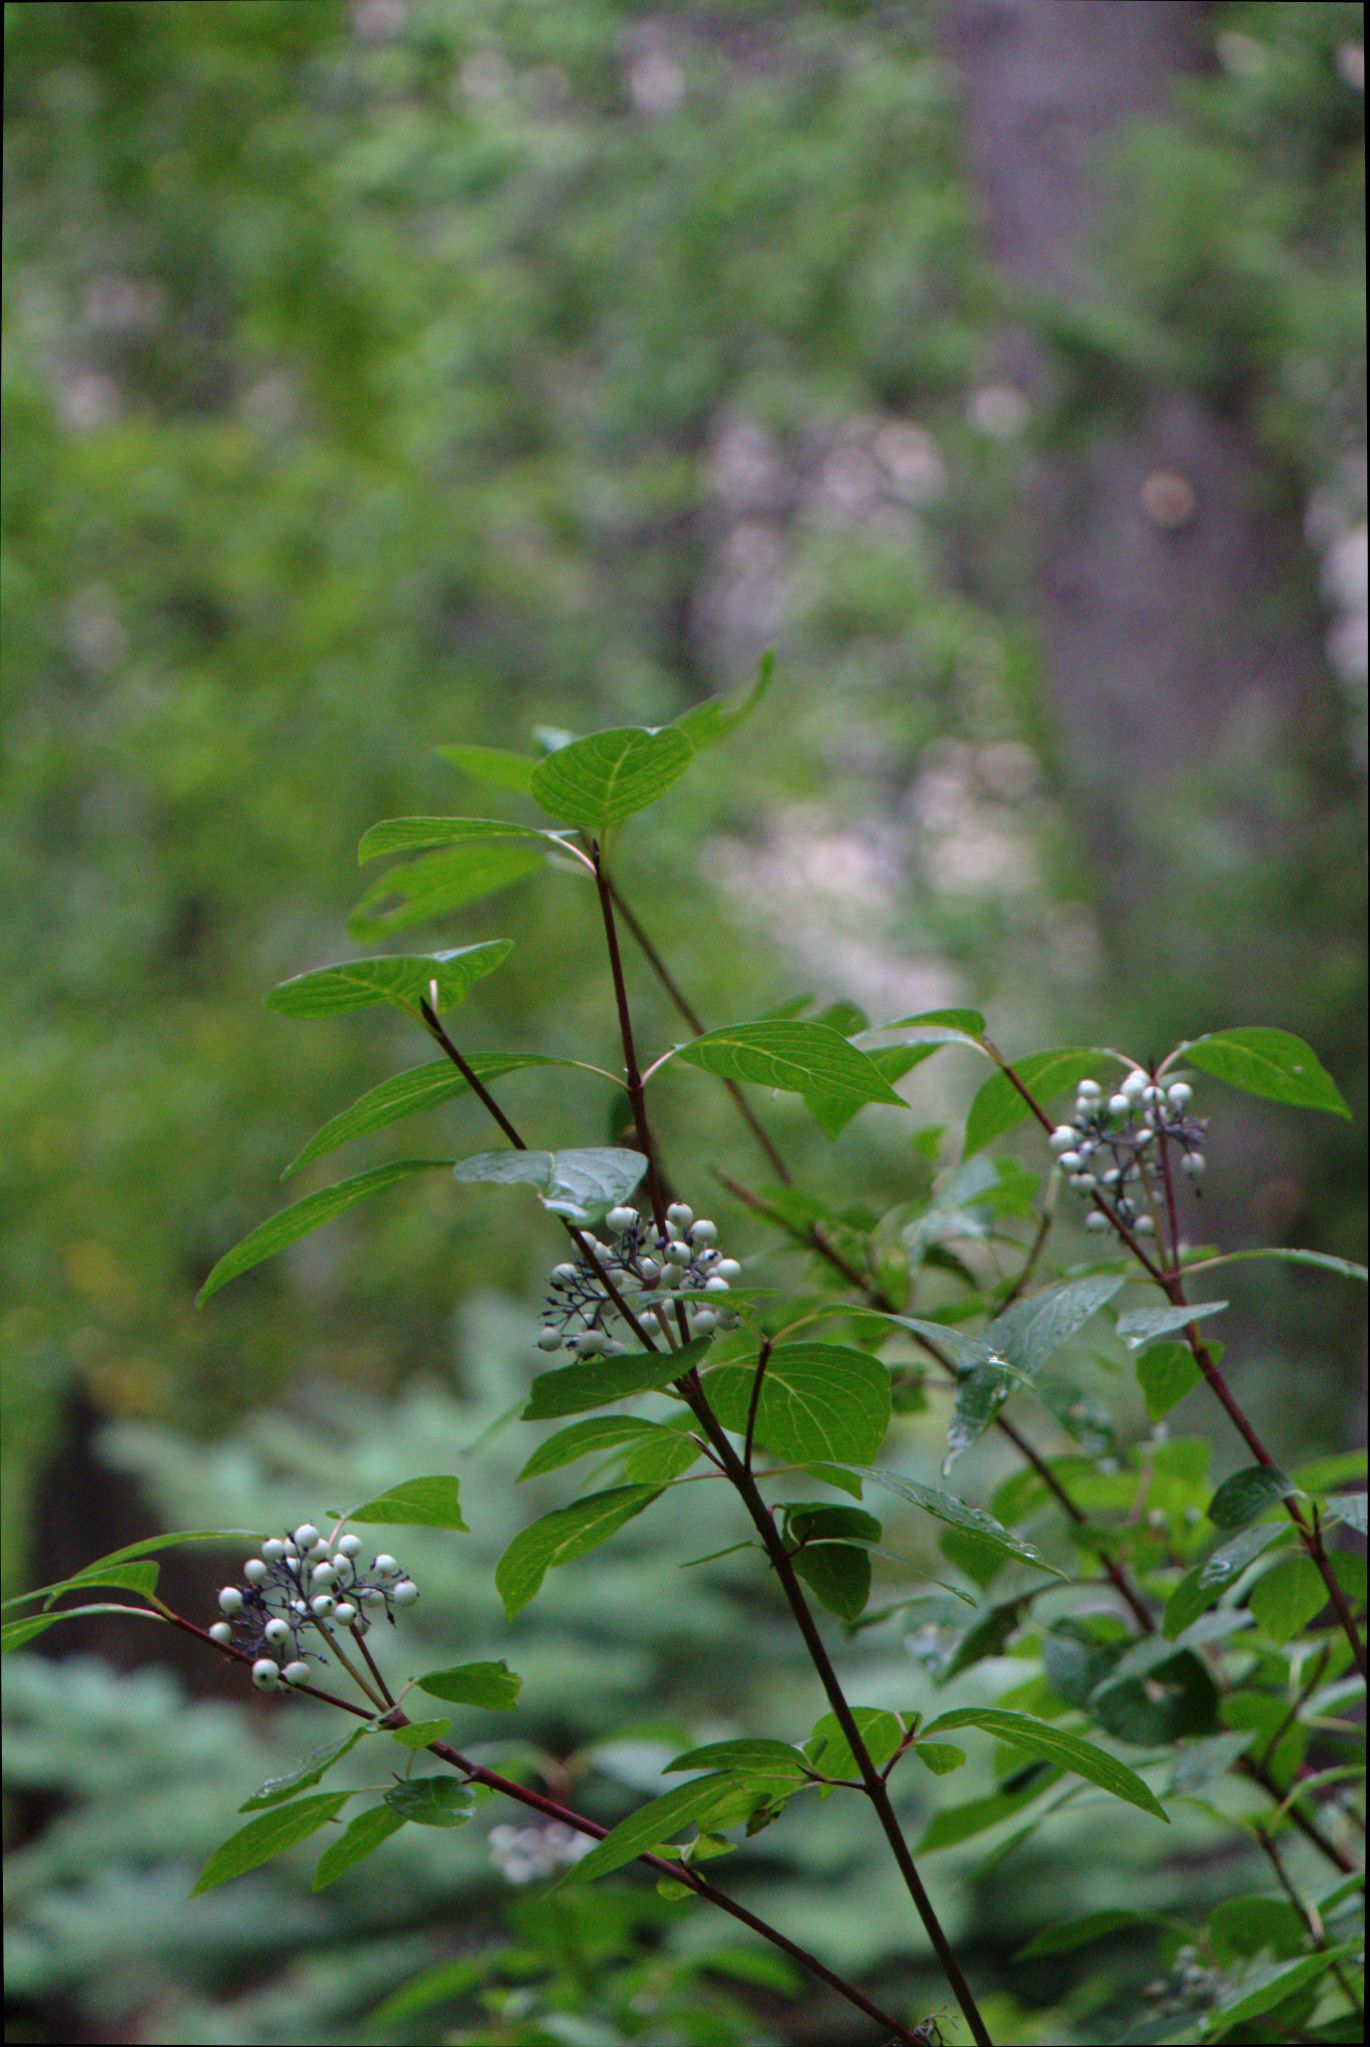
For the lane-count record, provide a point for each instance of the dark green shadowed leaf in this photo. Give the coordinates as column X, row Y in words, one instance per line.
column 651, row 1825
column 1054, row 1745
column 288, row 1225
column 1248, row 1494
column 277, row 1790
column 829, row 1751
column 818, row 1402
column 1205, row 1584
column 492, row 1685
column 16, row 1634
column 999, row 1107
column 705, row 724
column 758, row 1761
column 401, row 979
column 838, row 1574
column 267, row 1836
column 365, row 1833
column 579, row 1184
column 418, row 1503
column 432, row 1801
column 1267, row 1062
column 412, row 834
column 1165, row 1374
column 436, row 884
column 1077, row 1933
column 558, row 1538
column 494, row 765
column 574, row 1389
column 422, row 1087
column 946, row 1507
column 598, row 781
column 797, row 1057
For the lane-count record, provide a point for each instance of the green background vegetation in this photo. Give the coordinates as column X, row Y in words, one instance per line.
column 381, row 377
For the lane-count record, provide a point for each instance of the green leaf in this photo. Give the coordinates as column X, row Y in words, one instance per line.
column 411, row 834
column 16, row 1634
column 1267, row 1984
column 1173, row 1698
column 999, row 1106
column 422, row 1087
column 838, row 1574
column 277, row 1790
column 1348, row 1509
column 1205, row 1584
column 1141, row 1326
column 946, row 1507
column 148, row 1545
column 1076, row 1933
column 941, row 1757
column 140, row 1578
column 651, row 1825
column 417, row 1734
column 818, row 1401
column 268, row 1836
column 579, row 1185
column 758, row 1761
column 572, row 1389
column 829, row 1751
column 1248, row 1494
column 495, row 765
column 1165, row 1375
column 418, row 1503
column 958, row 1823
column 800, row 1058
column 432, row 1801
column 1033, row 1330
column 705, row 724
column 586, row 1439
column 558, row 1538
column 1287, row 1598
column 1068, row 1751
column 937, row 1027
column 288, row 1225
column 980, row 1393
column 806, row 1520
column 989, row 1635
column 419, row 891
column 1322, row 1260
column 365, row 1833
column 400, row 979
column 492, row 1685
column 1266, row 1062
column 598, row 781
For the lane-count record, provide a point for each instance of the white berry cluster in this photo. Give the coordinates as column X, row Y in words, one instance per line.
column 305, row 1580
column 650, row 1268
column 523, row 1855
column 1113, row 1149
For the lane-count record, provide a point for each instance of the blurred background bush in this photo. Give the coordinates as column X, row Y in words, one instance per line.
column 381, row 376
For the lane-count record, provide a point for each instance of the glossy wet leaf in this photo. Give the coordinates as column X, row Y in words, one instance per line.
column 579, row 1184
column 497, row 766
column 794, row 1056
column 277, row 1790
column 414, row 834
column 956, row 1514
column 1248, row 1494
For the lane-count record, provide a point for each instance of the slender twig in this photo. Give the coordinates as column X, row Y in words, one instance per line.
column 758, row 1378
column 632, row 1070
column 1310, row 1916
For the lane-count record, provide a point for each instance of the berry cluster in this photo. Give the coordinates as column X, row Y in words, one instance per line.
column 1113, row 1149
column 523, row 1855
column 306, row 1580
column 651, row 1268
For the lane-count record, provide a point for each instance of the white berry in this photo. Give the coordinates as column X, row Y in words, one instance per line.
column 1144, row 1226
column 1193, row 1163
column 296, row 1673
column 230, row 1600
column 1180, row 1094
column 405, row 1593
column 306, row 1535
column 350, row 1546
column 549, row 1338
column 277, row 1631
column 1120, row 1105
column 1095, row 1220
column 729, row 1269
column 273, row 1550
column 344, row 1613
column 266, row 1675
column 620, row 1219
column 221, row 1632
column 1063, row 1137
column 386, row 1567
column 1090, row 1090
column 705, row 1322
column 323, row 1606
column 680, row 1215
column 704, row 1232
column 255, row 1572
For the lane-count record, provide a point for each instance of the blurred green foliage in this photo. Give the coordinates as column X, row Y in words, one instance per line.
column 383, row 376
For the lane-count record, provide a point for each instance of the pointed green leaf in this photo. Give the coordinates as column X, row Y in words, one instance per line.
column 1346, row 1268
column 434, row 885
column 1286, row 1599
column 941, row 1757
column 411, row 834
column 432, row 1801
column 492, row 1685
column 1205, row 1584
column 139, row 1578
column 1077, row 1933
column 999, row 1106
column 401, row 979
column 422, row 1087
column 1266, row 1985
column 578, row 1184
column 818, row 1401
column 560, row 1537
column 268, row 1836
column 495, row 765
column 598, row 781
column 1033, row 1330
column 288, row 1225
column 963, row 1822
column 277, row 1790
column 956, row 1514
column 838, row 1574
column 146, row 1547
column 829, row 1751
column 17, row 1633
column 587, row 1439
column 1068, row 1751
column 705, row 724
column 757, row 1760
column 802, row 1058
column 1248, row 1494
column 572, row 1389
column 651, row 1825
column 365, row 1833
column 1141, row 1326
column 1266, row 1062
column 418, row 1503
column 1348, row 1509
column 417, row 1734
column 1165, row 1375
